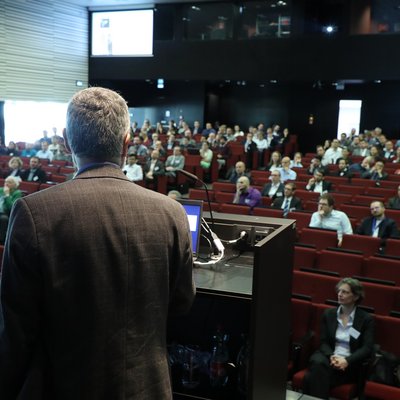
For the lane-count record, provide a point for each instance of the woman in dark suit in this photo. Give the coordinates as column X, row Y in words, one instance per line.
column 346, row 341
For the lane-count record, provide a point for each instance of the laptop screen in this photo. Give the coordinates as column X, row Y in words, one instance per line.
column 194, row 212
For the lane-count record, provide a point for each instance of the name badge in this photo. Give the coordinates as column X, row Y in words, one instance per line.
column 354, row 333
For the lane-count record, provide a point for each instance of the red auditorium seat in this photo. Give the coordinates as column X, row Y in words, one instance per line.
column 223, row 197
column 387, row 333
column 382, row 268
column 382, row 298
column 267, row 212
column 341, row 198
column 305, row 195
column 393, row 214
column 320, row 238
column 389, row 185
column 224, row 187
column 304, row 257
column 379, row 191
column 318, row 287
column 350, row 189
column 62, row 178
column 266, row 201
column 301, row 318
column 345, row 264
column 359, row 212
column 201, row 194
column 234, row 209
column 302, row 219
column 368, row 245
column 29, row 187
column 365, row 200
column 392, row 247
column 311, row 206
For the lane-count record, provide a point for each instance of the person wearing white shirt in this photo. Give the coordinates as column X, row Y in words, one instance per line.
column 328, row 218
column 287, row 174
column 333, row 153
column 132, row 170
column 45, row 153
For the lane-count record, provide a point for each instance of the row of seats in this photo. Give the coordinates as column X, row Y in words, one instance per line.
column 344, row 263
column 318, row 288
column 306, row 321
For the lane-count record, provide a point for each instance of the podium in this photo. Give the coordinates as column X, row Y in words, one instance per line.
column 248, row 292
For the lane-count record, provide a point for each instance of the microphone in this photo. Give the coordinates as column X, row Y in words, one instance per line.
column 197, row 179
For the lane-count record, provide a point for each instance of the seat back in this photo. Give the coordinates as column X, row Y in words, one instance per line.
column 234, row 209
column 304, row 257
column 368, row 245
column 345, row 264
column 320, row 238
column 382, row 268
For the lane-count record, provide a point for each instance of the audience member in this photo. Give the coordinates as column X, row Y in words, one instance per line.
column 174, row 162
column 377, row 225
column 208, row 129
column 174, row 194
column 8, row 195
column 53, row 147
column 328, row 218
column 237, row 131
column 332, row 154
column 61, row 154
column 153, row 167
column 363, row 166
column 276, row 161
column 15, row 168
column 396, row 159
column 275, row 188
column 250, row 147
column 296, row 162
column 29, row 150
column 138, row 148
column 320, row 151
column 346, row 342
column 344, row 140
column 44, row 153
column 376, row 173
column 239, row 170
column 388, row 151
column 375, row 152
column 316, row 165
column 288, row 202
column 206, row 155
column 362, row 149
column 287, row 174
column 12, row 149
column 394, row 202
column 318, row 183
column 35, row 172
column 45, row 138
column 223, row 153
column 196, row 128
column 246, row 194
column 343, row 169
column 132, row 170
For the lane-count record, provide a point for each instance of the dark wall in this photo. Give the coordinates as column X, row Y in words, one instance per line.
column 181, row 98
column 303, row 58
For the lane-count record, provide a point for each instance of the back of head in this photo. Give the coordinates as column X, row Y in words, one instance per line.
column 97, row 120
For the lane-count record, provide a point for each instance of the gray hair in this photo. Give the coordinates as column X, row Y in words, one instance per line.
column 97, row 120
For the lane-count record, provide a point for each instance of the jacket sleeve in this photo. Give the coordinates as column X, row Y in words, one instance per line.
column 326, row 345
column 182, row 288
column 366, row 341
column 20, row 304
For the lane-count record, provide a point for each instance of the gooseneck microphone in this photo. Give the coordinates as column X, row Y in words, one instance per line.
column 197, row 179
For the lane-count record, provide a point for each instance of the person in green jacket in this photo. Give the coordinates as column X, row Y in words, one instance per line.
column 8, row 195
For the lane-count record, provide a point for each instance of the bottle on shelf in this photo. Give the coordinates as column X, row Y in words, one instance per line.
column 219, row 360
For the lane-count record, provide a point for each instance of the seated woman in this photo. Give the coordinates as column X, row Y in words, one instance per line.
column 15, row 168
column 206, row 155
column 8, row 195
column 275, row 162
column 346, row 341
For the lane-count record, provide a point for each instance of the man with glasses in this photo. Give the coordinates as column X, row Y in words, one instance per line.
column 289, row 202
column 328, row 218
column 377, row 225
column 287, row 174
column 275, row 188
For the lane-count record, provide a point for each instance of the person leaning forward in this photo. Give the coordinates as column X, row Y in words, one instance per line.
column 88, row 277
